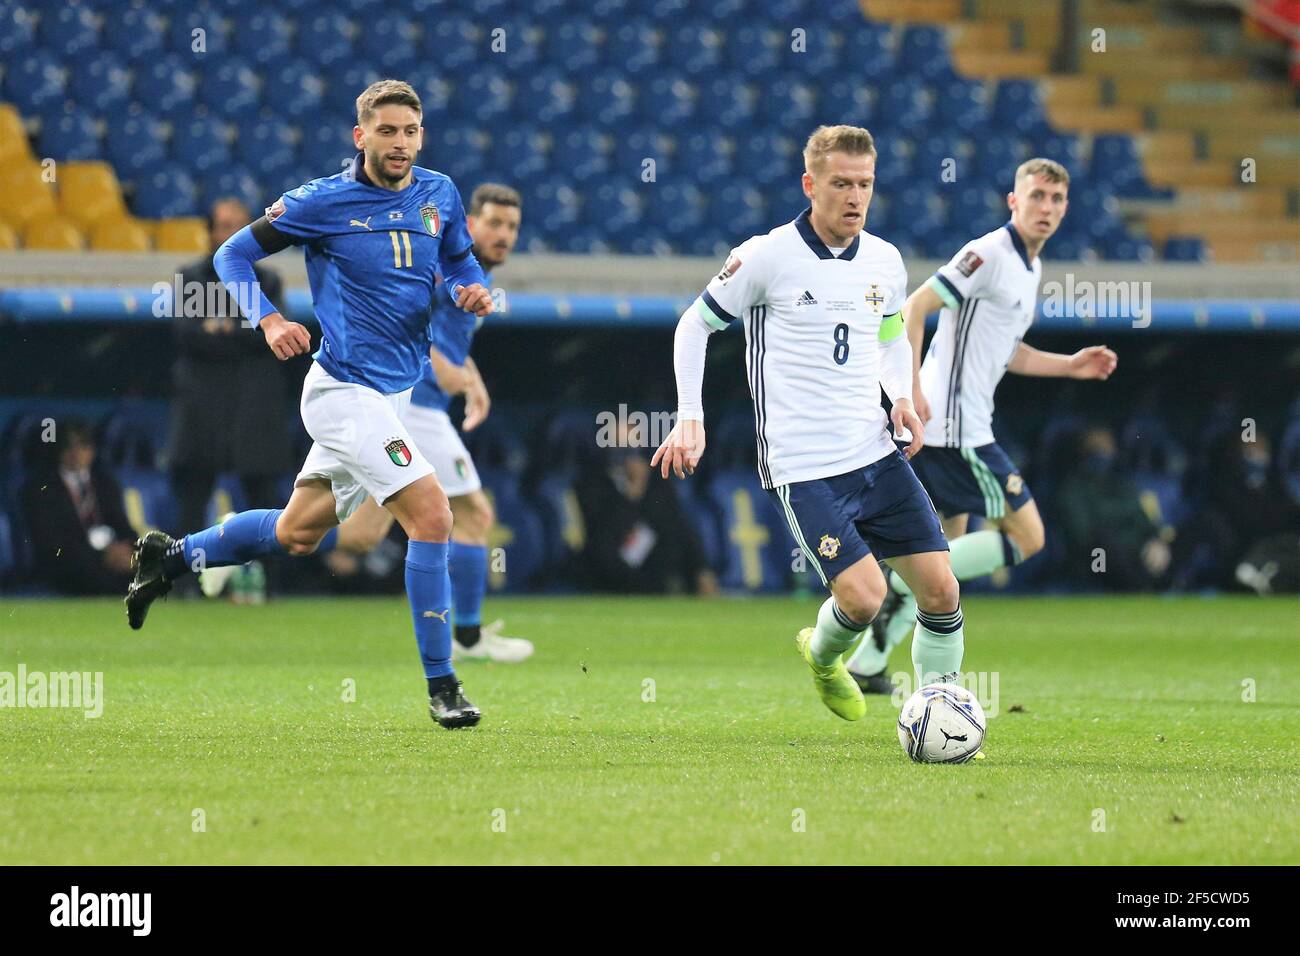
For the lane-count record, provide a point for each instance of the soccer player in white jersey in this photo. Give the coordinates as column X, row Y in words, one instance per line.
column 820, row 299
column 988, row 294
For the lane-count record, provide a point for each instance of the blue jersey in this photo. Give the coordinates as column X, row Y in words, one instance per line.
column 453, row 332
column 372, row 258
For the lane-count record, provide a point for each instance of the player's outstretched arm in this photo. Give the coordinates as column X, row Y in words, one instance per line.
column 919, row 304
column 1093, row 362
column 682, row 449
column 234, row 265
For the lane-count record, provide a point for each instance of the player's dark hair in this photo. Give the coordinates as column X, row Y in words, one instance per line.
column 381, row 93
column 497, row 193
column 224, row 200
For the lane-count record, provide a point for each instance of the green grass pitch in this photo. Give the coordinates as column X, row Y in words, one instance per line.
column 1122, row 713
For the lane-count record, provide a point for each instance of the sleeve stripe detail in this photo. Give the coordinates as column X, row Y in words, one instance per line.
column 271, row 240
column 891, row 327
column 950, row 294
column 714, row 313
column 460, row 255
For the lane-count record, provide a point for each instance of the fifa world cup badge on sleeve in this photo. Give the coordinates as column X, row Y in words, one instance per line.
column 969, row 263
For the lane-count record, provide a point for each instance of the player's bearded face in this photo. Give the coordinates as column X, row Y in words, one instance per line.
column 494, row 231
column 391, row 139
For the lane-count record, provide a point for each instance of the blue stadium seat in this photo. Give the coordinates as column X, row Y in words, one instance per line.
column 148, row 497
column 231, row 87
column 996, row 161
column 138, row 145
column 454, row 43
column 262, row 36
column 524, row 148
column 1018, row 108
column 325, row 39
column 390, row 41
column 169, row 191
column 961, row 106
column 72, row 135
column 694, row 49
column 265, row 143
column 615, row 209
column 574, row 45
column 632, row 47
column 299, row 90
column 639, row 144
column 582, row 153
column 756, row 50
column 847, row 100
column 70, row 32
column 704, row 156
column 557, row 203
column 166, row 88
column 484, row 95
column 606, row 98
column 789, row 107
column 325, row 148
column 17, row 29
column 547, row 97
column 201, row 144
column 239, row 182
column 138, row 33
column 1127, row 249
column 668, row 101
column 35, row 81
column 870, row 48
column 906, row 106
column 101, row 83
column 768, row 158
column 1184, row 249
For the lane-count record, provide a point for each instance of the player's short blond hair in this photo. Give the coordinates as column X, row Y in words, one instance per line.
column 1049, row 169
column 853, row 140
column 381, row 93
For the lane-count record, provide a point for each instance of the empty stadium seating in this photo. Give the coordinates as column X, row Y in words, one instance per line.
column 189, row 102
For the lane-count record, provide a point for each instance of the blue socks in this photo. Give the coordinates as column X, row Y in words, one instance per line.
column 468, row 568
column 243, row 537
column 428, row 588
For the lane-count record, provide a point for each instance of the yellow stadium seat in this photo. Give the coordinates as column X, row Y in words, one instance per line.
column 53, row 234
column 188, row 234
column 8, row 240
column 24, row 194
column 13, row 137
column 89, row 192
column 119, row 235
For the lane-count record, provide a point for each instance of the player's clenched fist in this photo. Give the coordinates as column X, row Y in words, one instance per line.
column 474, row 298
column 681, row 450
column 285, row 338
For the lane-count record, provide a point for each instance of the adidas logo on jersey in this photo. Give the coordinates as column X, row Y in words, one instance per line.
column 805, row 299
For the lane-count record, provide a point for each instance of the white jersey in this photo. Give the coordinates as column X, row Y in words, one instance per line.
column 991, row 293
column 814, row 323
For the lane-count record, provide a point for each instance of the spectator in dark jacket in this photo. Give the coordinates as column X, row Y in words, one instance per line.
column 638, row 540
column 231, row 393
column 78, row 527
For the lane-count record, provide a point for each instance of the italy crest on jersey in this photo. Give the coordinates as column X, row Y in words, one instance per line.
column 429, row 216
column 398, row 452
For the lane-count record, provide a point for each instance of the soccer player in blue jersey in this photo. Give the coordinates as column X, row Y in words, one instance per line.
column 494, row 216
column 375, row 236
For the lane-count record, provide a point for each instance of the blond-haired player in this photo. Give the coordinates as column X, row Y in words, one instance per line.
column 988, row 295
column 820, row 300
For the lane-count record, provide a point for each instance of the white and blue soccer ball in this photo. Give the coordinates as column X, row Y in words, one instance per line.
column 941, row 723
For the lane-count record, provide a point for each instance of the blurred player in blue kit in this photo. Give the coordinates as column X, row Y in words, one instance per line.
column 375, row 237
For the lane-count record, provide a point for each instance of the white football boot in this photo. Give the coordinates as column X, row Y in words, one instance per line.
column 492, row 646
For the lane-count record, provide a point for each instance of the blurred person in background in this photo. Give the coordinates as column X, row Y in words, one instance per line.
column 231, row 408
column 639, row 539
column 1247, row 523
column 79, row 530
column 1100, row 508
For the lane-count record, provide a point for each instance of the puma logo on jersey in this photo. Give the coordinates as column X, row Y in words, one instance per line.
column 805, row 299
column 363, row 225
column 442, row 616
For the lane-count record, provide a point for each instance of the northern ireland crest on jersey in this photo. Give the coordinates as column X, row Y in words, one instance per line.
column 1015, row 484
column 398, row 452
column 429, row 216
column 828, row 547
column 874, row 298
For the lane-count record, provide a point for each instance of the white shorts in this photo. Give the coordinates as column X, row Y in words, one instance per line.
column 438, row 438
column 360, row 441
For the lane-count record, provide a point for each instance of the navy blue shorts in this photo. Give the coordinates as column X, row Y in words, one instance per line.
column 880, row 509
column 982, row 481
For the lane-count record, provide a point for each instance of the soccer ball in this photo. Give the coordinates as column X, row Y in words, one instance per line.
column 941, row 723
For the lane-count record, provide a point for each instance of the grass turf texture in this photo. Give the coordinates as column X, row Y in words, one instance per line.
column 1128, row 706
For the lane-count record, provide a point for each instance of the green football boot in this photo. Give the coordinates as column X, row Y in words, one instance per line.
column 835, row 685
